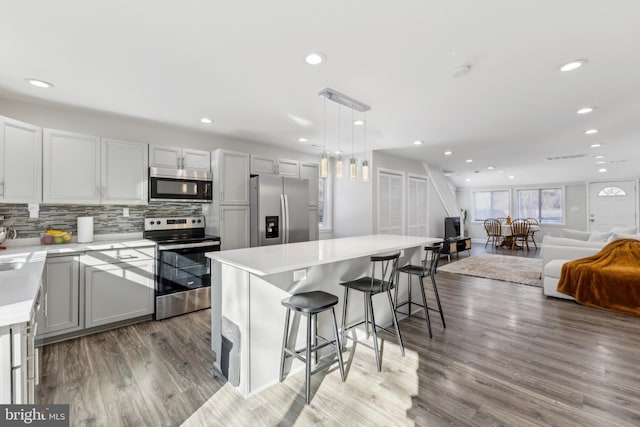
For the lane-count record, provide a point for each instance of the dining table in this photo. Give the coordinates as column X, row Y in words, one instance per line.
column 507, row 241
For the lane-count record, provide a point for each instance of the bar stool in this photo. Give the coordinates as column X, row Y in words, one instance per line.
column 428, row 268
column 371, row 286
column 310, row 304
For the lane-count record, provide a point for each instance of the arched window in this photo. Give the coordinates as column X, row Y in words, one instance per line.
column 611, row 191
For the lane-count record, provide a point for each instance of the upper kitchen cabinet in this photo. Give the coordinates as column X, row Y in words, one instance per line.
column 179, row 158
column 124, row 172
column 264, row 165
column 310, row 172
column 231, row 175
column 20, row 162
column 71, row 167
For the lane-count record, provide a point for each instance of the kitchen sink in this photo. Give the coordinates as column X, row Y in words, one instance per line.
column 11, row 264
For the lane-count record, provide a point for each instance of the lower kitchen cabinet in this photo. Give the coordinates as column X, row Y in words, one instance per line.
column 118, row 291
column 61, row 290
column 234, row 227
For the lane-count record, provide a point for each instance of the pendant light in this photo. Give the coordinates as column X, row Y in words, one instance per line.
column 365, row 162
column 324, row 158
column 339, row 160
column 353, row 164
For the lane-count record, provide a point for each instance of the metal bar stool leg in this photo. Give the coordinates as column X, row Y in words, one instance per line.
column 308, row 360
column 366, row 315
column 284, row 344
column 435, row 291
column 409, row 277
column 426, row 307
column 344, row 315
column 375, row 335
column 395, row 322
column 315, row 335
column 338, row 344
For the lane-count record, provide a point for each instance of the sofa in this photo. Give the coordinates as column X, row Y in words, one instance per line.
column 572, row 245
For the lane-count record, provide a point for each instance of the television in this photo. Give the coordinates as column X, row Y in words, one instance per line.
column 452, row 227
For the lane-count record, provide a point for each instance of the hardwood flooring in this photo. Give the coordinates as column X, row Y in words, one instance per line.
column 509, row 356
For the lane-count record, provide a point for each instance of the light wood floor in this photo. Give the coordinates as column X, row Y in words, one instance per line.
column 509, row 356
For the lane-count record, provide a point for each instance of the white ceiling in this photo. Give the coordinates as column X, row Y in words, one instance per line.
column 242, row 64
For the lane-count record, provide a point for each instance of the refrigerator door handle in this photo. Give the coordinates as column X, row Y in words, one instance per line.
column 286, row 206
column 283, row 217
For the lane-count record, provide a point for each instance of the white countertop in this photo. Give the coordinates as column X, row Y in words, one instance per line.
column 273, row 259
column 19, row 288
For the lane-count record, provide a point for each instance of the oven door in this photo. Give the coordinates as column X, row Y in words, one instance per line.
column 183, row 267
column 179, row 190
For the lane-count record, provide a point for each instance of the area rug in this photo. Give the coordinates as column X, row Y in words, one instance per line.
column 499, row 267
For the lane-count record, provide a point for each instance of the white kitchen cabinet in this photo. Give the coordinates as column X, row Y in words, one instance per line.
column 313, row 223
column 261, row 165
column 71, row 168
column 124, row 172
column 234, row 227
column 231, row 175
column 310, row 171
column 119, row 285
column 179, row 158
column 20, row 162
column 61, row 290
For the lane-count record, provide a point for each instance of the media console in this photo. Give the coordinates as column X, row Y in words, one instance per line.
column 454, row 245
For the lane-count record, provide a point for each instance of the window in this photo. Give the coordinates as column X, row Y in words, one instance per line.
column 490, row 204
column 611, row 191
column 416, row 206
column 543, row 204
column 324, row 203
column 390, row 202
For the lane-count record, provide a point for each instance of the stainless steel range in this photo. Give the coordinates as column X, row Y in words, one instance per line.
column 183, row 272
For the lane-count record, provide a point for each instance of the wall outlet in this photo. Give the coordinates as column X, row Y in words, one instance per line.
column 401, row 253
column 125, row 212
column 299, row 275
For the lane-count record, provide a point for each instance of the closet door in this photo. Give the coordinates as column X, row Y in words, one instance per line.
column 391, row 204
column 417, row 205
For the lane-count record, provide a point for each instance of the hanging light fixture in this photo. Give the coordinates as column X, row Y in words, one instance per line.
column 353, row 164
column 365, row 162
column 339, row 160
column 324, row 158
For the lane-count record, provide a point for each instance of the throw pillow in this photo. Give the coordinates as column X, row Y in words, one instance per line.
column 599, row 237
column 575, row 234
column 617, row 236
column 624, row 230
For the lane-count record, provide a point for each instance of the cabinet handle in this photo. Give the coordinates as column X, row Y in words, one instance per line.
column 46, row 305
column 2, row 186
column 123, row 257
column 37, row 367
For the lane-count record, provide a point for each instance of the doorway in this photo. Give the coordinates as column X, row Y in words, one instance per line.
column 612, row 204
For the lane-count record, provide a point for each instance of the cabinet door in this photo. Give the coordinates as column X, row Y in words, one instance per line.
column 196, row 159
column 5, row 366
column 286, row 167
column 234, row 227
column 61, row 284
column 71, row 168
column 120, row 291
column 165, row 157
column 313, row 223
column 233, row 173
column 20, row 162
column 124, row 172
column 310, row 172
column 263, row 165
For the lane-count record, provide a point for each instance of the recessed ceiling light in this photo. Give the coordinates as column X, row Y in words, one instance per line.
column 500, row 171
column 511, row 177
column 491, row 168
column 206, row 120
column 586, row 110
column 601, row 162
column 317, row 145
column 461, row 70
column 358, row 122
column 418, row 142
column 447, row 174
column 39, row 83
column 302, row 140
column 314, row 58
column 601, row 156
column 573, row 65
column 596, row 145
column 602, row 170
column 591, row 131
column 448, row 153
column 469, row 160
column 468, row 179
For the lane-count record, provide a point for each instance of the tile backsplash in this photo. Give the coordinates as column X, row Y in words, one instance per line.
column 107, row 219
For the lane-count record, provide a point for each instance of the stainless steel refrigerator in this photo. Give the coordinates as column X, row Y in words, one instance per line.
column 279, row 210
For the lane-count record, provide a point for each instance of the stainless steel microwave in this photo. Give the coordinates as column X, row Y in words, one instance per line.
column 180, row 185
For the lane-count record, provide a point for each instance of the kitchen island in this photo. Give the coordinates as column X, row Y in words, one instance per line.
column 248, row 284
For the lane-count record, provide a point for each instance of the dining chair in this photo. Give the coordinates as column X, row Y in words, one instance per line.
column 519, row 232
column 532, row 221
column 494, row 231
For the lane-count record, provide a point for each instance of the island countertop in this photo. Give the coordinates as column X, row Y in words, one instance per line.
column 265, row 260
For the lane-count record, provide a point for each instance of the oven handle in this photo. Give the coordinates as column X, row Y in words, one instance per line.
column 188, row 245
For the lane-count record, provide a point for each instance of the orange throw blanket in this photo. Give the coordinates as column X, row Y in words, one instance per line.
column 609, row 279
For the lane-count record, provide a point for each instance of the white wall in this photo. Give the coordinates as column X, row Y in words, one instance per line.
column 352, row 203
